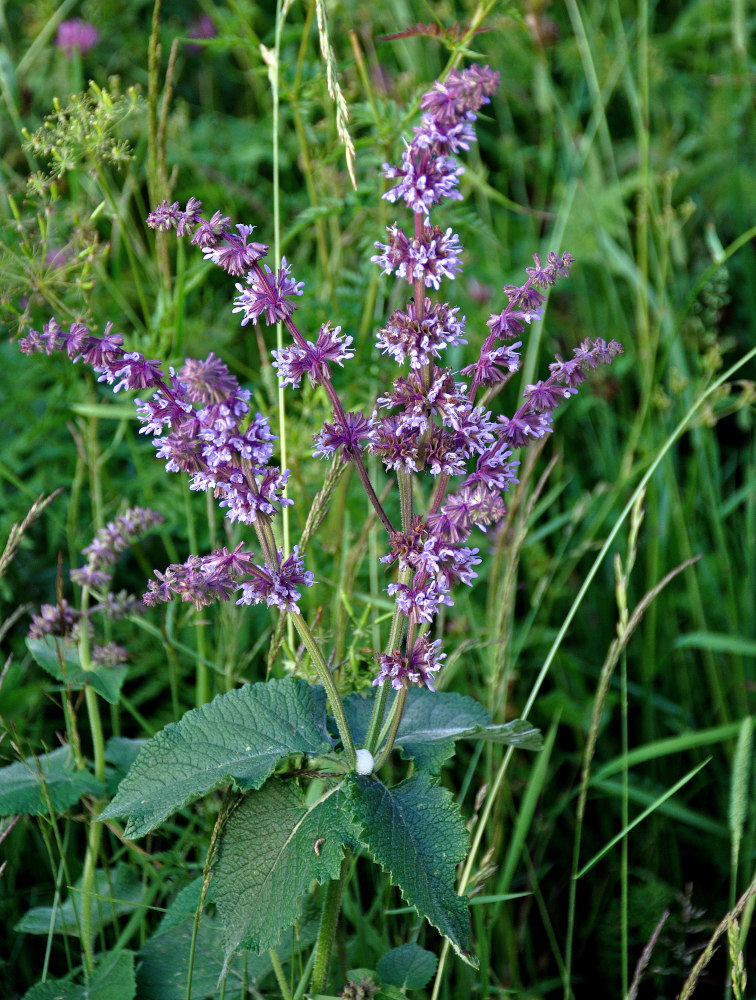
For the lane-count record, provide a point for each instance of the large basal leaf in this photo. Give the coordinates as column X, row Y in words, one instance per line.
column 112, row 979
column 60, row 658
column 433, row 720
column 273, row 847
column 26, row 785
column 164, row 963
column 238, row 737
column 164, row 958
column 415, row 832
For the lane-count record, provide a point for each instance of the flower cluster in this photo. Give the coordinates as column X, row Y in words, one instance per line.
column 199, row 418
column 117, row 536
column 277, row 587
column 419, row 667
column 203, row 580
column 434, row 425
column 66, row 621
column 428, row 422
column 196, row 416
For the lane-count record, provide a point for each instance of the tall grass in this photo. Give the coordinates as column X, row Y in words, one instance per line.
column 615, row 607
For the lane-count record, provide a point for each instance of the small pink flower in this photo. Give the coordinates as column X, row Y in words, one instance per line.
column 76, row 34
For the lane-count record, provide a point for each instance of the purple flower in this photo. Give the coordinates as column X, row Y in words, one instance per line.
column 346, row 434
column 406, row 338
column 425, row 179
column 418, row 668
column 246, row 496
column 41, row 343
column 397, row 447
column 493, row 470
column 544, row 396
column 445, row 562
column 405, row 548
column 495, row 365
column 132, row 371
column 76, row 34
column 433, row 256
column 445, row 136
column 461, row 92
column 237, row 256
column 556, row 267
column 200, row 28
column 207, row 381
column 314, row 359
column 109, row 655
column 462, row 511
column 509, row 323
column 267, row 294
column 54, row 619
column 104, row 549
column 522, row 429
column 420, row 603
column 203, row 580
column 114, row 606
column 278, row 588
column 98, row 352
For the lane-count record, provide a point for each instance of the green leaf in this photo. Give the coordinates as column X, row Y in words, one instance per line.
column 25, row 785
column 55, row 989
column 164, row 960
column 434, row 720
column 409, row 966
column 116, row 892
column 60, row 658
column 121, row 753
column 415, row 832
column 273, row 846
column 113, row 979
column 717, row 642
column 184, row 905
column 238, row 737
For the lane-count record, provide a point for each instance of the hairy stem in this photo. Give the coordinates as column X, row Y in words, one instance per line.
column 328, row 921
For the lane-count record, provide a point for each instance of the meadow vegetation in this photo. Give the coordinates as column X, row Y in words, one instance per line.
column 614, row 602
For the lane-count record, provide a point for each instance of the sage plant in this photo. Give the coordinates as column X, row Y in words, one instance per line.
column 431, row 431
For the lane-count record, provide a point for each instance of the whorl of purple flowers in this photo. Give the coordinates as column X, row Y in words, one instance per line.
column 197, row 417
column 104, row 549
column 418, row 668
column 66, row 621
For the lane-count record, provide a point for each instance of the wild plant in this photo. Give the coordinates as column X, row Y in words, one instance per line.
column 303, row 764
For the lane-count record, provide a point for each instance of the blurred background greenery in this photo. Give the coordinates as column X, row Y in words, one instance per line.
column 622, row 133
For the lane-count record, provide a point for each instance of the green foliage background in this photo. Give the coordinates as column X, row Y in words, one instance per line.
column 623, row 133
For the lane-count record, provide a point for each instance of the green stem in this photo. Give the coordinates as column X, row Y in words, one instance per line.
column 206, row 876
column 281, row 10
column 326, row 679
column 88, row 887
column 405, row 498
column 201, row 671
column 396, row 718
column 328, row 921
column 95, row 830
column 394, row 641
column 279, row 974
